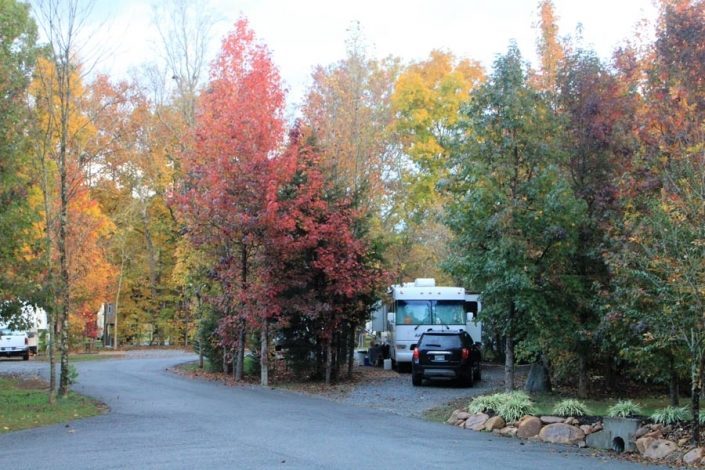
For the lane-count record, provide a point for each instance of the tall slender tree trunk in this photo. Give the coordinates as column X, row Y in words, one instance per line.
column 696, row 376
column 329, row 360
column 117, row 299
column 509, row 351
column 241, row 342
column 673, row 389
column 51, row 310
column 63, row 73
column 264, row 355
column 239, row 366
column 152, row 266
column 351, row 349
column 582, row 374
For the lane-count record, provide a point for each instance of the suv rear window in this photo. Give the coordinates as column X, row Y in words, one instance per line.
column 440, row 341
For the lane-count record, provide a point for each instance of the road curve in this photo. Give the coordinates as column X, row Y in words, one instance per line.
column 161, row 420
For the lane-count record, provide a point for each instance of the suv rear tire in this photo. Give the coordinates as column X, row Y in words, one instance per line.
column 469, row 379
column 25, row 356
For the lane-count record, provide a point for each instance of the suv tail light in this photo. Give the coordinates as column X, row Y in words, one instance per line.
column 466, row 354
column 415, row 355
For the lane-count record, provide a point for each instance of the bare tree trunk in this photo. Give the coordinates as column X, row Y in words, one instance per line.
column 339, row 340
column 225, row 361
column 673, row 389
column 582, row 375
column 241, row 342
column 696, row 373
column 151, row 266
column 240, row 353
column 64, row 73
column 51, row 311
column 329, row 359
column 200, row 351
column 351, row 350
column 264, row 355
column 509, row 352
column 52, row 357
column 117, row 298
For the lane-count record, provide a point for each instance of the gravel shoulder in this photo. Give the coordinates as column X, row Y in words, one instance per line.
column 393, row 392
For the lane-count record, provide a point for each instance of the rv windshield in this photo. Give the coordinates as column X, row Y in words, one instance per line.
column 449, row 312
column 430, row 312
column 413, row 312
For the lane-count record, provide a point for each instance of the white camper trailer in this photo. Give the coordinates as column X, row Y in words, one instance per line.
column 419, row 306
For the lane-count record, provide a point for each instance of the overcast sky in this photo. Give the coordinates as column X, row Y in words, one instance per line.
column 304, row 33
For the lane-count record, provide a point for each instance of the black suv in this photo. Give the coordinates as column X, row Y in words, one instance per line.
column 446, row 355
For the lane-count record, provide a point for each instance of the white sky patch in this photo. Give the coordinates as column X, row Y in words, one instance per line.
column 305, row 33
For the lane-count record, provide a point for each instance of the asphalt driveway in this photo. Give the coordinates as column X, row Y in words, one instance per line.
column 162, row 420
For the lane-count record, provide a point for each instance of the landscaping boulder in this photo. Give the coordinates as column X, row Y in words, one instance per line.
column 561, row 433
column 694, row 456
column 572, row 421
column 453, row 417
column 551, row 419
column 529, row 427
column 586, row 428
column 538, row 379
column 643, row 443
column 476, row 422
column 659, row 449
column 463, row 415
column 495, row 422
column 508, row 431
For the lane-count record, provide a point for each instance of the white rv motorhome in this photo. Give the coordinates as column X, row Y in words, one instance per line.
column 420, row 306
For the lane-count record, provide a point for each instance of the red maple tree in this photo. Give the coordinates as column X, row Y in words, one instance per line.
column 239, row 126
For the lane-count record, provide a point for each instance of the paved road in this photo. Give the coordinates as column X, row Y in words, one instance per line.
column 161, row 420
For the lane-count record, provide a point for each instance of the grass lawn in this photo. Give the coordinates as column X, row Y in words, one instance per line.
column 23, row 401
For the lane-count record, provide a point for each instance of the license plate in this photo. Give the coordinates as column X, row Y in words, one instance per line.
column 439, row 357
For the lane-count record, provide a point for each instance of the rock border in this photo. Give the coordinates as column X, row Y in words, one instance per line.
column 648, row 439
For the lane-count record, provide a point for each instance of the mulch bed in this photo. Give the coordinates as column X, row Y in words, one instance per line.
column 281, row 377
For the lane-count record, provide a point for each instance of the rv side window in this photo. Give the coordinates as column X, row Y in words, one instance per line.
column 471, row 310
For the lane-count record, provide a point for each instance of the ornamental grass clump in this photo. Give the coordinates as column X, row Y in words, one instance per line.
column 623, row 409
column 670, row 415
column 485, row 403
column 570, row 407
column 515, row 406
column 516, row 400
column 701, row 417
